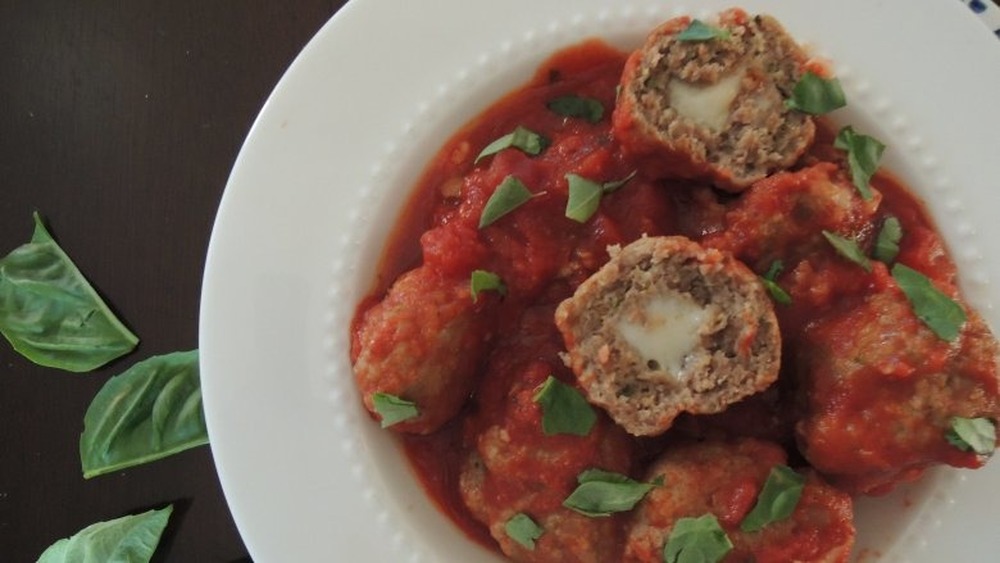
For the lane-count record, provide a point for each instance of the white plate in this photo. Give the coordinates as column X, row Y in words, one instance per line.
column 332, row 156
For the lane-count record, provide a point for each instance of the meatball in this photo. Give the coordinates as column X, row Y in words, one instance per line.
column 422, row 343
column 714, row 109
column 668, row 326
column 514, row 468
column 724, row 479
column 879, row 390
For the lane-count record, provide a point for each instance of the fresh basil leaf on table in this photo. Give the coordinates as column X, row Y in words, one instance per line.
column 150, row 411
column 51, row 314
column 129, row 539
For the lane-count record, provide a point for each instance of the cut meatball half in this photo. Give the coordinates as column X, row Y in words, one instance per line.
column 714, row 109
column 665, row 327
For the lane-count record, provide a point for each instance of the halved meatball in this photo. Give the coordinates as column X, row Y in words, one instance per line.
column 665, row 327
column 714, row 109
column 724, row 479
column 879, row 390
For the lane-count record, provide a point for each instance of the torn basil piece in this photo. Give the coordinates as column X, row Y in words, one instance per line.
column 564, row 409
column 521, row 138
column 393, row 410
column 973, row 434
column 585, row 195
column 582, row 107
column 887, row 242
column 508, row 196
column 777, row 499
column 816, row 95
column 939, row 312
column 482, row 280
column 522, row 529
column 769, row 279
column 849, row 249
column 602, row 493
column 698, row 30
column 697, row 540
column 863, row 155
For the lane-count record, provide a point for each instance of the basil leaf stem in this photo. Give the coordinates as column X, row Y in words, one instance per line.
column 816, row 95
column 863, row 155
column 973, row 434
column 49, row 312
column 131, row 538
column 777, row 499
column 849, row 249
column 887, row 242
column 769, row 279
column 564, row 410
column 521, row 138
column 939, row 312
column 482, row 280
column 697, row 540
column 602, row 493
column 522, row 529
column 589, row 109
column 508, row 196
column 150, row 411
column 393, row 410
column 698, row 30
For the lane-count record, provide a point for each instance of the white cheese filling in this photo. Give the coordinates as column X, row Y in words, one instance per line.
column 665, row 331
column 706, row 104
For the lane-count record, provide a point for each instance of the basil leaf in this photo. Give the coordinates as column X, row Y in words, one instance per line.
column 887, row 243
column 698, row 30
column 601, row 493
column 938, row 311
column 816, row 95
column 129, row 539
column 508, row 196
column 973, row 434
column 848, row 249
column 51, row 314
column 769, row 279
column 863, row 154
column 482, row 280
column 522, row 529
column 577, row 106
column 393, row 410
column 564, row 410
column 777, row 500
column 520, row 138
column 150, row 411
column 584, row 198
column 697, row 540
column 612, row 186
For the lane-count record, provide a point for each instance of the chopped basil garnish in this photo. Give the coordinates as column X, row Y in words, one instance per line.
column 564, row 410
column 777, row 500
column 973, row 434
column 482, row 280
column 508, row 196
column 770, row 282
column 863, row 154
column 392, row 409
column 522, row 529
column 887, row 242
column 849, row 249
column 697, row 540
column 602, row 493
column 938, row 311
column 585, row 195
column 698, row 30
column 816, row 95
column 577, row 106
column 520, row 138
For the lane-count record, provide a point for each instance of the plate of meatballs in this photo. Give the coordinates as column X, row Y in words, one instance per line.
column 625, row 283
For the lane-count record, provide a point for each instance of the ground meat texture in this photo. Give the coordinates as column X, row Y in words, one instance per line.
column 422, row 343
column 724, row 479
column 714, row 109
column 879, row 390
column 665, row 327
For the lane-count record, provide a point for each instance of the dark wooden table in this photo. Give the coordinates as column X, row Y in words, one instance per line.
column 119, row 122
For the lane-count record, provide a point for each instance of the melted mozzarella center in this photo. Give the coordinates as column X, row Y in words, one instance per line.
column 706, row 104
column 665, row 331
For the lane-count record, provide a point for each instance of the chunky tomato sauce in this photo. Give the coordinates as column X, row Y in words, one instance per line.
column 542, row 256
